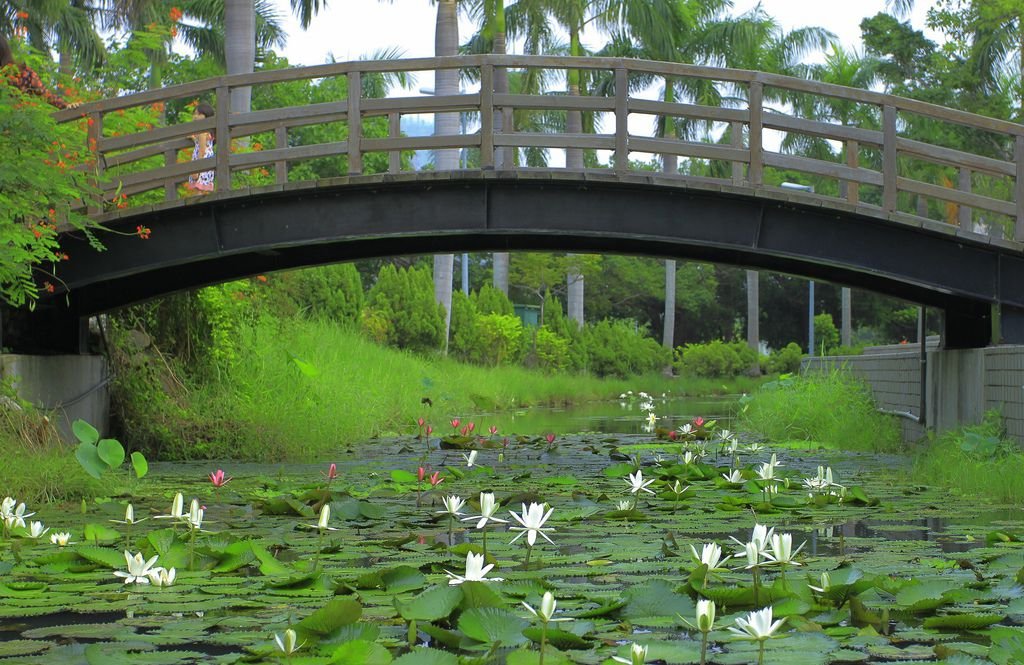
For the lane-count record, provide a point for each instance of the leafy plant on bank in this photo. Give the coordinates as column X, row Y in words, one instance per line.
column 820, row 406
column 98, row 456
column 618, row 348
column 715, row 358
column 401, row 311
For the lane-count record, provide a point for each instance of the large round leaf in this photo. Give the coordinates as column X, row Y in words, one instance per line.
column 361, row 652
column 491, row 625
column 111, row 452
column 424, row 656
column 89, row 459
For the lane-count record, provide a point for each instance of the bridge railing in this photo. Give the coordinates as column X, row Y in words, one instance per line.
column 749, row 131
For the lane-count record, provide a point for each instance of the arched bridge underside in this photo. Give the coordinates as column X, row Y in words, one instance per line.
column 977, row 282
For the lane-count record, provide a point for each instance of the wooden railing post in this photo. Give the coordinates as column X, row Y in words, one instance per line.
column 487, row 116
column 736, row 141
column 223, row 155
column 621, row 119
column 964, row 185
column 1018, row 232
column 281, row 166
column 94, row 134
column 355, row 124
column 853, row 161
column 755, row 173
column 394, row 132
column 890, row 164
column 170, row 186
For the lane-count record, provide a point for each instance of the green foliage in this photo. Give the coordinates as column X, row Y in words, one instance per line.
column 551, row 350
column 976, row 460
column 38, row 184
column 401, row 310
column 97, row 456
column 716, row 358
column 334, row 293
column 490, row 300
column 820, row 406
column 785, row 360
column 502, row 338
column 618, row 348
column 826, row 335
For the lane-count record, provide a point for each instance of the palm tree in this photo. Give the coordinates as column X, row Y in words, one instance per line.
column 67, row 27
column 446, row 82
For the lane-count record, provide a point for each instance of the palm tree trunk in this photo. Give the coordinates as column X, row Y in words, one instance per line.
column 574, row 296
column 502, row 155
column 753, row 318
column 574, row 119
column 240, row 47
column 669, row 333
column 446, row 82
column 846, row 338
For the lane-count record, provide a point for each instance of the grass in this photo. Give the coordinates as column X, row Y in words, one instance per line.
column 974, row 461
column 822, row 406
column 307, row 387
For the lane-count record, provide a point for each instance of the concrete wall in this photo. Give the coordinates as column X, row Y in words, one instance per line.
column 962, row 385
column 72, row 387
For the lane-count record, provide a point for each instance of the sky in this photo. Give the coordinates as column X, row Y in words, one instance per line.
column 351, row 28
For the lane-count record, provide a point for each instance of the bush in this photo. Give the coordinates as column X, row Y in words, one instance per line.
column 552, row 350
column 334, row 293
column 785, row 360
column 716, row 358
column 489, row 300
column 405, row 300
column 619, row 348
column 826, row 335
column 501, row 339
column 830, row 407
column 464, row 340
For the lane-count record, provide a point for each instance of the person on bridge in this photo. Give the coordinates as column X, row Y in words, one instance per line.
column 205, row 142
column 22, row 77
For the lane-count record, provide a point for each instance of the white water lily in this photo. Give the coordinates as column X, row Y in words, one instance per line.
column 532, row 520
column 686, row 430
column 753, row 555
column 690, row 458
column 677, row 488
column 754, row 447
column 194, row 519
column 774, row 461
column 138, row 568
column 161, row 577
column 637, row 483
column 325, row 517
column 637, row 655
column 652, row 418
column 782, row 550
column 177, row 509
column 625, row 504
column 488, row 506
column 36, row 529
column 826, row 583
column 471, row 457
column 710, row 555
column 734, row 477
column 476, row 571
column 13, row 513
column 546, row 612
column 289, row 642
column 760, row 538
column 757, row 626
column 705, row 615
column 452, row 505
column 821, row 482
column 766, row 471
column 61, row 539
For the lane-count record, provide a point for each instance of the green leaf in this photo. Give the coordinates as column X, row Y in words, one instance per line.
column 433, row 604
column 336, row 613
column 403, row 578
column 102, row 556
column 111, row 452
column 140, row 464
column 89, row 459
column 492, row 625
column 85, row 432
column 561, row 639
column 657, row 598
column 425, row 656
column 100, row 533
column 963, row 621
column 361, row 652
column 308, row 369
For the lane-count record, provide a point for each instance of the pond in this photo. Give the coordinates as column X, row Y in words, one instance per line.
column 888, row 571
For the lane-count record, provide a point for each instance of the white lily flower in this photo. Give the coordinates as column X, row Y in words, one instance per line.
column 61, row 539
column 324, row 520
column 194, row 519
column 710, row 554
column 471, row 457
column 775, row 461
column 452, row 506
column 782, row 550
column 652, row 418
column 138, row 568
column 677, row 487
column 724, row 435
column 15, row 516
column 826, row 583
column 476, row 571
column 761, row 536
column 177, row 509
column 753, row 554
column 734, row 477
column 7, row 505
column 488, row 506
column 637, row 655
column 532, row 520
column 690, row 458
column 161, row 577
column 129, row 516
column 625, row 504
column 754, row 447
column 766, row 471
column 36, row 529
column 705, row 615
column 637, row 483
column 686, row 430
column 546, row 613
column 288, row 644
column 758, row 626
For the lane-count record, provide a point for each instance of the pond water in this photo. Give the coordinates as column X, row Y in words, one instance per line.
column 915, row 575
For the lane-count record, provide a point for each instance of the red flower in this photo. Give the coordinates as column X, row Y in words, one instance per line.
column 175, row 14
column 420, row 474
column 550, row 438
column 493, row 429
column 464, row 431
column 672, row 435
column 261, row 278
column 430, row 430
column 455, row 423
column 218, row 479
column 420, row 422
column 698, row 422
column 332, row 471
column 436, row 479
column 143, row 232
column 471, row 426
column 50, row 288
column 22, row 15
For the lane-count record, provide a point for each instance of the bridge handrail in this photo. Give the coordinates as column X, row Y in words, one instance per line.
column 748, row 157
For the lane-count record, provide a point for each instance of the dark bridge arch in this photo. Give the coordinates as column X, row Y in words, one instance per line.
column 204, row 241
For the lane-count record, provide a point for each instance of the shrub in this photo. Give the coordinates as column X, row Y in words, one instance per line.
column 552, row 350
column 619, row 348
column 331, row 292
column 489, row 300
column 831, row 407
column 464, row 341
column 716, row 358
column 405, row 299
column 826, row 335
column 785, row 360
column 501, row 339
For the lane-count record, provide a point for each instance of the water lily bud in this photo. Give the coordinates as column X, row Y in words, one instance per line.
column 705, row 615
column 325, row 516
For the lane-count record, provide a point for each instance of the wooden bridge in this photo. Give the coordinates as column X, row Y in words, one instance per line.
column 941, row 224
